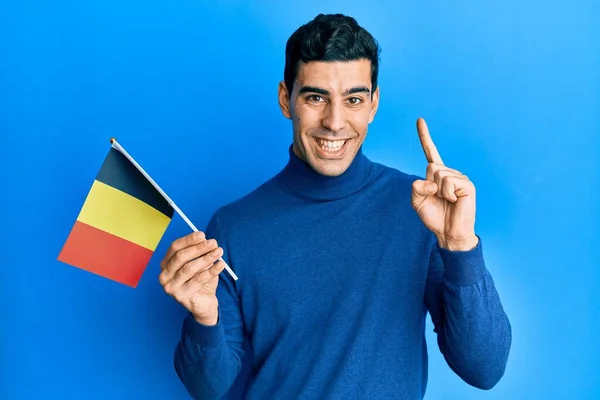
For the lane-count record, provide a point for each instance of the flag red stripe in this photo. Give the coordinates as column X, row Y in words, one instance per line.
column 104, row 254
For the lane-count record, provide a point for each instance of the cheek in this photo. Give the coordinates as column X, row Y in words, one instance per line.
column 296, row 119
column 306, row 118
column 360, row 120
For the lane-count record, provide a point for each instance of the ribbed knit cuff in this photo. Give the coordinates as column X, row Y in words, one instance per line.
column 463, row 267
column 204, row 335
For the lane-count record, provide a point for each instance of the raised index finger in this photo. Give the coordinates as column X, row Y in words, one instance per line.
column 431, row 153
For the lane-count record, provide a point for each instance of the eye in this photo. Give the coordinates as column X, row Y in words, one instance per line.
column 354, row 100
column 314, row 97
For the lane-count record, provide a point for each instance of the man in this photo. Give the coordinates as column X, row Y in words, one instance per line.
column 339, row 258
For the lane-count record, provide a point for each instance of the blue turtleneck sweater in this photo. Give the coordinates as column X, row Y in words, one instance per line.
column 336, row 277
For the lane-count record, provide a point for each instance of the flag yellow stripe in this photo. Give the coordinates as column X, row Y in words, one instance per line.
column 122, row 215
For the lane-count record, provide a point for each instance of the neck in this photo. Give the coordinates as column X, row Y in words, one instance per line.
column 308, row 183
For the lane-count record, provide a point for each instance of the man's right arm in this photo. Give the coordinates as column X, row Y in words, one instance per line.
column 208, row 356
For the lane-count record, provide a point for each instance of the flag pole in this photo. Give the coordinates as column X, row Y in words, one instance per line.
column 117, row 146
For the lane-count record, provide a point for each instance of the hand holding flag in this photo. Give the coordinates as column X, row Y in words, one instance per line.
column 190, row 274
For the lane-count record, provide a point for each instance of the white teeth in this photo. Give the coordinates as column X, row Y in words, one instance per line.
column 331, row 145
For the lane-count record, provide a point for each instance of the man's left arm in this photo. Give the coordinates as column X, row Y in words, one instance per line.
column 473, row 330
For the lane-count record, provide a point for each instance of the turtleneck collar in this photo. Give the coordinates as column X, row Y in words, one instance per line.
column 308, row 183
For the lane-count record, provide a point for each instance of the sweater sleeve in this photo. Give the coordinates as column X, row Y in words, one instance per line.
column 208, row 359
column 473, row 331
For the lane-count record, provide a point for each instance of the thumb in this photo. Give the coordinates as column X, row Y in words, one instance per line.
column 423, row 188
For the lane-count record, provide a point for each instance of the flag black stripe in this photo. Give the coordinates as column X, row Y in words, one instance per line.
column 117, row 171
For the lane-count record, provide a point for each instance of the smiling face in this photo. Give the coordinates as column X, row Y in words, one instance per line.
column 331, row 107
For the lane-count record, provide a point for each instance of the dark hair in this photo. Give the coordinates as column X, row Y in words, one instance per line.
column 330, row 37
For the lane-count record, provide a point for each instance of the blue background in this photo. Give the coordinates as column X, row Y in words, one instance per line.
column 511, row 93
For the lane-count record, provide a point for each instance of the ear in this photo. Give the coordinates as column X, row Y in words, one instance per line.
column 375, row 106
column 284, row 100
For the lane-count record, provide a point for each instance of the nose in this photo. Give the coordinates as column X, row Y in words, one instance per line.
column 334, row 118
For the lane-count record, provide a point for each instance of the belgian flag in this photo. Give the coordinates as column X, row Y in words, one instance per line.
column 120, row 224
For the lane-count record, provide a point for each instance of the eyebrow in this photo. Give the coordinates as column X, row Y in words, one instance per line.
column 314, row 89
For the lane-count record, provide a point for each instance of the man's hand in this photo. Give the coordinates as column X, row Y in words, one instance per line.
column 190, row 274
column 445, row 199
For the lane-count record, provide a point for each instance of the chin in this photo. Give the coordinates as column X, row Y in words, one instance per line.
column 330, row 168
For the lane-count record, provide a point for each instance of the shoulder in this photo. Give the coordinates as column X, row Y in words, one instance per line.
column 395, row 190
column 395, row 181
column 247, row 207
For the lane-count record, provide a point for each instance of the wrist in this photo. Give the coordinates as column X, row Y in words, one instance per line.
column 463, row 244
column 210, row 319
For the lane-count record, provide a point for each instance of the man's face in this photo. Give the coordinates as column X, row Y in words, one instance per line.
column 330, row 107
